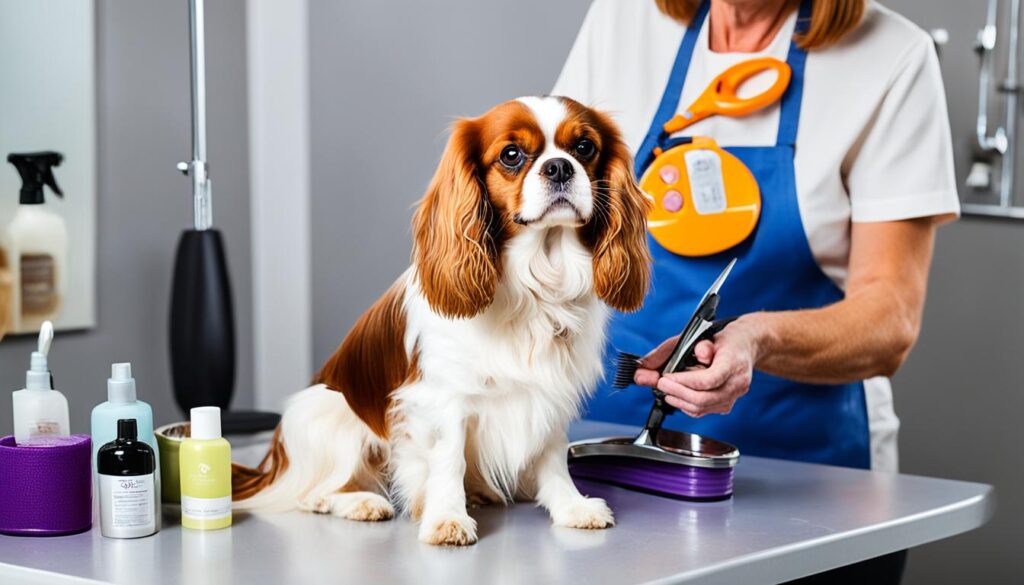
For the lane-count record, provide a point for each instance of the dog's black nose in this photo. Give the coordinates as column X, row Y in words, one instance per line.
column 558, row 170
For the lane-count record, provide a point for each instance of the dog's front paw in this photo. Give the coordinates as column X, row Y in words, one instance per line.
column 587, row 513
column 452, row 531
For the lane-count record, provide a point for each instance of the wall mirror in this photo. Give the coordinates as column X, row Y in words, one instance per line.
column 47, row 135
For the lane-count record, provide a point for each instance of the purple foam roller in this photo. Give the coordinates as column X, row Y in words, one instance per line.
column 46, row 490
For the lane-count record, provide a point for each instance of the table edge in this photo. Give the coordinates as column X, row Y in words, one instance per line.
column 776, row 566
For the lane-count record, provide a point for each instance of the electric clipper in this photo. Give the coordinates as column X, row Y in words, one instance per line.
column 702, row 325
column 665, row 462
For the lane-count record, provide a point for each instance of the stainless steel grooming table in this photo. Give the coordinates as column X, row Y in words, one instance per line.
column 786, row 520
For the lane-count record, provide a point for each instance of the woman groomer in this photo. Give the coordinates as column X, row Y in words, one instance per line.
column 855, row 170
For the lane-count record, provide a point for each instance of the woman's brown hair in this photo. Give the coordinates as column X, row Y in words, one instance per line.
column 830, row 19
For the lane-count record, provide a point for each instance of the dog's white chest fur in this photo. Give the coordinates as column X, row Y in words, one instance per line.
column 516, row 373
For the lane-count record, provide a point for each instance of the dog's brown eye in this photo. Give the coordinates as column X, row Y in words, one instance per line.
column 585, row 148
column 511, row 156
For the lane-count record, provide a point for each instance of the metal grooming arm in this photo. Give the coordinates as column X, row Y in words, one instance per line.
column 197, row 167
column 1002, row 143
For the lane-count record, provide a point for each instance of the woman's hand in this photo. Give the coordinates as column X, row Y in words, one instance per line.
column 714, row 387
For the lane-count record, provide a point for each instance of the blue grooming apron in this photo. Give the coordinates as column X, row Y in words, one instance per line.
column 776, row 271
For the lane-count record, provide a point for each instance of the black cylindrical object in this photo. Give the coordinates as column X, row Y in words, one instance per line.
column 202, row 323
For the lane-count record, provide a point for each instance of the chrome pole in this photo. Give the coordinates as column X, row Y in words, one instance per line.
column 986, row 45
column 197, row 168
column 1011, row 88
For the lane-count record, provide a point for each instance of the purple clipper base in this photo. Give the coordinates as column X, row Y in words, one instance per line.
column 657, row 477
column 46, row 490
column 674, row 464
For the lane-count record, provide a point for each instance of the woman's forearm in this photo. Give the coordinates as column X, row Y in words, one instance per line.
column 853, row 339
column 871, row 331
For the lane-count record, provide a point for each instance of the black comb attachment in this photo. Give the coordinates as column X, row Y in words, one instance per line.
column 625, row 367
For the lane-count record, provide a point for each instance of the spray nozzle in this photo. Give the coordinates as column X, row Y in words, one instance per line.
column 36, row 170
column 38, row 376
column 45, row 337
column 121, row 385
column 121, row 372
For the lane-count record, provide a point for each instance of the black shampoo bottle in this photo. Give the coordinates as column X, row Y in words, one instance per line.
column 128, row 496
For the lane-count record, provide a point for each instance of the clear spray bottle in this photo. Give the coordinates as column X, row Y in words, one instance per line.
column 40, row 412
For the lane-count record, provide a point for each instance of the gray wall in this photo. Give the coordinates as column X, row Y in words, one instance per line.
column 960, row 393
column 383, row 89
column 144, row 203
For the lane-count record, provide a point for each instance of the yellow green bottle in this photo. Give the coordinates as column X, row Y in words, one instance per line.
column 204, row 467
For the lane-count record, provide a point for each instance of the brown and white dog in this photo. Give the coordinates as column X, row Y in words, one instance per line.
column 460, row 382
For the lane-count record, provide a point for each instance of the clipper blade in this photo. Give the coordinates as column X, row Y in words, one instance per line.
column 625, row 368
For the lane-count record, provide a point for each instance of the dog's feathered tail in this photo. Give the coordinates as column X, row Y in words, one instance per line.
column 246, row 482
column 320, row 448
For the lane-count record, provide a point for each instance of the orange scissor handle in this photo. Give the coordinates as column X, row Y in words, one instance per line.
column 720, row 97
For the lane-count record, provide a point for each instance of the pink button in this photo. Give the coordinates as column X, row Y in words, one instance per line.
column 672, row 201
column 669, row 174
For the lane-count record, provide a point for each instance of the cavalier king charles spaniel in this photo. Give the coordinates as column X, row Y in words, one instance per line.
column 459, row 383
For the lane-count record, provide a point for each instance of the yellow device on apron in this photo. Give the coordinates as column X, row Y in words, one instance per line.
column 705, row 199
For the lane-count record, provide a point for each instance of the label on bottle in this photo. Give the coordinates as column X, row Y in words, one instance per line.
column 128, row 505
column 707, row 187
column 44, row 427
column 205, row 508
column 38, row 284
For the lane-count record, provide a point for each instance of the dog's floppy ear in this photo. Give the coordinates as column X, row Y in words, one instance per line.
column 622, row 259
column 455, row 254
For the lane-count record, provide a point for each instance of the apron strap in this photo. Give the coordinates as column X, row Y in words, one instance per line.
column 789, row 115
column 673, row 90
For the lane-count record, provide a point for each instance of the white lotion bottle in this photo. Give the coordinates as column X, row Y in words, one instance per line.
column 40, row 412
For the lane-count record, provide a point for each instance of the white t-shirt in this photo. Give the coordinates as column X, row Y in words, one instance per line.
column 873, row 142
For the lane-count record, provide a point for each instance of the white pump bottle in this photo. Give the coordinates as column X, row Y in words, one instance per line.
column 40, row 412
